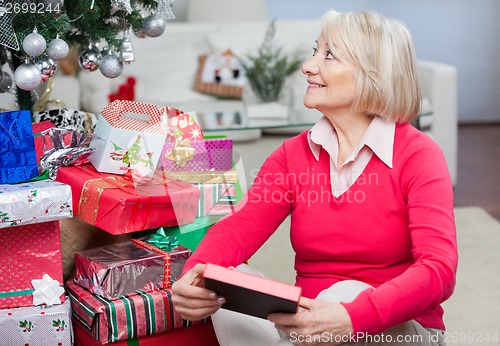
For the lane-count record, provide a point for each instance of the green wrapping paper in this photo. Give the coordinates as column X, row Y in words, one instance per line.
column 189, row 235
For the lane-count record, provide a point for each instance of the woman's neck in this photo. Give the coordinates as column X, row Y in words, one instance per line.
column 350, row 129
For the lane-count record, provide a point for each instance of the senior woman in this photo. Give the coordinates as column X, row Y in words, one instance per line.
column 376, row 253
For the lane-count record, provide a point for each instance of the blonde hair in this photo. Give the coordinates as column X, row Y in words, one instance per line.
column 382, row 50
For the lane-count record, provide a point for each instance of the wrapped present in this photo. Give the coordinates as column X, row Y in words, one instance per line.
column 216, row 199
column 37, row 325
column 116, row 270
column 78, row 235
column 129, row 137
column 205, row 177
column 187, row 149
column 191, row 334
column 135, row 316
column 17, row 147
column 63, row 147
column 118, row 205
column 34, row 202
column 31, row 265
column 194, row 156
column 37, row 129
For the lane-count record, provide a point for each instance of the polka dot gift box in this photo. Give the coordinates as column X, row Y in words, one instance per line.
column 188, row 150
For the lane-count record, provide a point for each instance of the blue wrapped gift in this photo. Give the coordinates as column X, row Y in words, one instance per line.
column 17, row 147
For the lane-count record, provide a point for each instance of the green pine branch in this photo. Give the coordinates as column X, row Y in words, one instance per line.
column 78, row 24
column 268, row 69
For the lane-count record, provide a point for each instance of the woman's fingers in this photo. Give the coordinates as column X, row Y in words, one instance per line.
column 191, row 300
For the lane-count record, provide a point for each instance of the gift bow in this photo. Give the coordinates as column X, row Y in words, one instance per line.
column 182, row 152
column 162, row 241
column 47, row 291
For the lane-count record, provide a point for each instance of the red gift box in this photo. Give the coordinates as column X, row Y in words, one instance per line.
column 27, row 253
column 131, row 317
column 37, row 129
column 196, row 334
column 250, row 294
column 117, row 205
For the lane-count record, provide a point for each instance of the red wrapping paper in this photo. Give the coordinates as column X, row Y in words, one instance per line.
column 118, row 206
column 27, row 253
column 37, row 129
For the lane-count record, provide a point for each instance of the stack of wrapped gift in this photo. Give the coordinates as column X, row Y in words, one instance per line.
column 206, row 163
column 33, row 309
column 121, row 292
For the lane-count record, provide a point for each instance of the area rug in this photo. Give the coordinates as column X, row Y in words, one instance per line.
column 472, row 314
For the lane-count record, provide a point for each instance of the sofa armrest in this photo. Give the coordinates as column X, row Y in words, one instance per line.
column 438, row 82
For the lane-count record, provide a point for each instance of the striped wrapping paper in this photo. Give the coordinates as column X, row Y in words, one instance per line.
column 206, row 177
column 216, row 199
column 196, row 334
column 125, row 318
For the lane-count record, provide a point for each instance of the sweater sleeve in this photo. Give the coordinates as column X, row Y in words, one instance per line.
column 236, row 238
column 426, row 186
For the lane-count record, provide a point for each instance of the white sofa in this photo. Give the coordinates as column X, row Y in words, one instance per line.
column 165, row 68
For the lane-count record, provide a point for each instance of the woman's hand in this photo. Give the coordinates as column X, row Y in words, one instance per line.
column 320, row 323
column 191, row 300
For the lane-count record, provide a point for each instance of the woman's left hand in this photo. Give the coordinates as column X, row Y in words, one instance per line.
column 320, row 323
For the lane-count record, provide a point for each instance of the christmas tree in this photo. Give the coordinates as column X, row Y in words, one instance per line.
column 35, row 34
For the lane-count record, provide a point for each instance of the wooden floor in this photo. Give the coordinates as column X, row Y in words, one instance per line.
column 478, row 182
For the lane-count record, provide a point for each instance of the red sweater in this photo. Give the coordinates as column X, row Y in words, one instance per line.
column 393, row 229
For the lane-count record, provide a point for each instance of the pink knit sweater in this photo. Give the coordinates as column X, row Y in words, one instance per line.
column 393, row 229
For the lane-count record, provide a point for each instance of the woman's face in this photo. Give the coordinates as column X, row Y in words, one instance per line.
column 331, row 79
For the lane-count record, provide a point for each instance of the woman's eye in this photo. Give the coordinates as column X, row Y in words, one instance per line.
column 314, row 51
column 329, row 55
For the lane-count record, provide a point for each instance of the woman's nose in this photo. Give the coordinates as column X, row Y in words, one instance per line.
column 310, row 67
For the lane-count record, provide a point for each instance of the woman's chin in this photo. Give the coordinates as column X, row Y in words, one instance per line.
column 309, row 104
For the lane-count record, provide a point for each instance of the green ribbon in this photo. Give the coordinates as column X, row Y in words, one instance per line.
column 16, row 293
column 162, row 241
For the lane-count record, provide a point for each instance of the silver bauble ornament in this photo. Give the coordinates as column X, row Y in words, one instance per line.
column 89, row 59
column 27, row 77
column 47, row 67
column 5, row 82
column 110, row 66
column 58, row 49
column 153, row 25
column 34, row 44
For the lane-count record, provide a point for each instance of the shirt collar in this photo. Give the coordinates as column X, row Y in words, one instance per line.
column 379, row 137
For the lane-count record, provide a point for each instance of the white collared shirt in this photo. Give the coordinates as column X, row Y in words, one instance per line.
column 378, row 138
